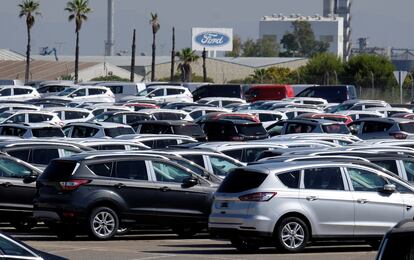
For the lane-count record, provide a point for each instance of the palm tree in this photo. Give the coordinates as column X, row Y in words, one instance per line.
column 29, row 9
column 155, row 27
column 78, row 10
column 260, row 75
column 187, row 56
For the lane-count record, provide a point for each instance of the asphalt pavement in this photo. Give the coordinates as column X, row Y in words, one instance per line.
column 161, row 244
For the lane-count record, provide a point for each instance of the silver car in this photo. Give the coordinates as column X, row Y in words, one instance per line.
column 293, row 203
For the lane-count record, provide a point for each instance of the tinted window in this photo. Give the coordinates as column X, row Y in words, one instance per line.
column 197, row 159
column 251, row 129
column 9, row 248
column 269, row 117
column 38, row 118
column 196, row 114
column 84, row 132
column 113, row 132
column 372, row 127
column 111, row 147
column 335, row 129
column 20, row 154
column 295, row 128
column 134, row 170
column 290, row 179
column 79, row 93
column 171, row 91
column 5, row 92
column 363, row 180
column 236, row 154
column 48, row 132
column 101, row 169
column 43, row 156
column 18, row 118
column 275, row 129
column 169, row 173
column 12, row 169
column 221, row 166
column 252, row 154
column 241, row 180
column 74, row 115
column 409, row 170
column 22, row 91
column 158, row 92
column 168, row 116
column 96, row 91
column 13, row 131
column 134, row 118
column 390, row 165
column 329, row 178
column 116, row 89
column 407, row 127
column 58, row 170
column 164, row 143
column 191, row 130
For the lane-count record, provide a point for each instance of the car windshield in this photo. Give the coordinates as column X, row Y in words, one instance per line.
column 48, row 132
column 114, row 132
column 335, row 129
column 191, row 130
column 66, row 92
column 406, row 127
column 145, row 92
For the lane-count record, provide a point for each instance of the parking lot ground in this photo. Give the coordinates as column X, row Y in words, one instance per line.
column 148, row 245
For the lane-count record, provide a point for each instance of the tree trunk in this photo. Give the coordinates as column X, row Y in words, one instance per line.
column 26, row 75
column 133, row 58
column 172, row 55
column 77, row 57
column 204, row 65
column 153, row 58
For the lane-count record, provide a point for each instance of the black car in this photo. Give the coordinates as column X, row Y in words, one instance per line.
column 398, row 242
column 234, row 130
column 100, row 192
column 220, row 90
column 332, row 94
column 177, row 127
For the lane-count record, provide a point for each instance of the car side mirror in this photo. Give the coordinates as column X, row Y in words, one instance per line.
column 190, row 182
column 389, row 188
column 29, row 179
column 73, row 95
column 9, row 121
column 151, row 95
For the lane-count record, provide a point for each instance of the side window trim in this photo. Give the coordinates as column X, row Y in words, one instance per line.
column 150, row 171
column 401, row 170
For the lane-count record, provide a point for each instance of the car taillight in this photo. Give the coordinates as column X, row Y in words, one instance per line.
column 258, row 196
column 72, row 184
column 399, row 135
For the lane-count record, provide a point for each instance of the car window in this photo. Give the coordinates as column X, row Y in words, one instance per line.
column 252, row 154
column 12, row 169
column 363, row 180
column 221, row 166
column 195, row 158
column 48, row 132
column 116, row 89
column 133, row 170
column 354, row 127
column 114, row 132
column 409, row 170
column 68, row 152
column 96, row 91
column 171, row 91
column 13, row 131
column 196, row 114
column 290, row 179
column 37, row 118
column 390, row 165
column 158, row 92
column 74, row 115
column 165, row 172
column 20, row 118
column 22, row 91
column 373, row 127
column 293, row 128
column 275, row 129
column 43, row 156
column 329, row 178
column 9, row 248
column 236, row 154
column 101, row 169
column 167, row 116
column 83, row 132
column 164, row 143
column 335, row 129
column 22, row 154
column 399, row 187
column 79, row 93
column 269, row 117
column 5, row 92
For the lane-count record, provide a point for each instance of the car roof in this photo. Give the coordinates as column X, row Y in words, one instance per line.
column 98, row 124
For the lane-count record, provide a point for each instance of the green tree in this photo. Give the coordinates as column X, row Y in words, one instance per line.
column 281, row 75
column 155, row 27
column 237, row 47
column 324, row 68
column 265, row 47
column 367, row 69
column 186, row 56
column 110, row 78
column 78, row 10
column 29, row 9
column 260, row 76
column 301, row 41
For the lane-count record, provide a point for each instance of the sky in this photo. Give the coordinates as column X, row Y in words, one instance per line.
column 386, row 23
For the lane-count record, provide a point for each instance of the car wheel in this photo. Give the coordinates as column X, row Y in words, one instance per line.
column 103, row 223
column 245, row 246
column 292, row 235
column 24, row 225
column 185, row 232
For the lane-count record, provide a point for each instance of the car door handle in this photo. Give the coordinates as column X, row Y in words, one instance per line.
column 165, row 188
column 311, row 198
column 119, row 185
column 362, row 201
column 6, row 184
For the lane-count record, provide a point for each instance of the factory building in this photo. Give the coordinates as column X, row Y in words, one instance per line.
column 327, row 29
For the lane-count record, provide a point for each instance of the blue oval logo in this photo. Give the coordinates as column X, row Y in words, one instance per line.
column 212, row 39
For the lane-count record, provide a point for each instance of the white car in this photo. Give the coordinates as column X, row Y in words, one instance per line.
column 358, row 114
column 167, row 114
column 19, row 117
column 70, row 115
column 17, row 107
column 163, row 93
column 221, row 101
column 88, row 94
column 18, row 93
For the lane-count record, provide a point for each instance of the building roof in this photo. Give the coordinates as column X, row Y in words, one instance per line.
column 407, row 55
column 6, row 54
column 296, row 17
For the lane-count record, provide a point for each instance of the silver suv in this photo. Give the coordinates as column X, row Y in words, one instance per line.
column 293, row 203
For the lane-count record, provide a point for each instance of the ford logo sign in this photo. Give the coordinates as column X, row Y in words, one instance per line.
column 212, row 39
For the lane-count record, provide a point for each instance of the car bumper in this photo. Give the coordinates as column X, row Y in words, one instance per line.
column 229, row 233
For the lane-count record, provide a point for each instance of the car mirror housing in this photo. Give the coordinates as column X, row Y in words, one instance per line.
column 29, row 179
column 389, row 188
column 190, row 182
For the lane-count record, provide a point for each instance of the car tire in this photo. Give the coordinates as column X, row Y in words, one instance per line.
column 103, row 223
column 292, row 235
column 185, row 232
column 245, row 246
column 24, row 225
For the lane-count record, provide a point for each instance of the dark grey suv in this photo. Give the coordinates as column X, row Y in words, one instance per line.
column 103, row 191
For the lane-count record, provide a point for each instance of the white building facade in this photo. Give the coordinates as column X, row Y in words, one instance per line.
column 328, row 29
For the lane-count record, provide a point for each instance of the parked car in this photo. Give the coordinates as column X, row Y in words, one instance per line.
column 17, row 106
column 332, row 94
column 358, row 104
column 162, row 93
column 96, row 130
column 105, row 191
column 301, row 126
column 70, row 115
column 18, row 93
column 123, row 117
column 220, row 90
column 122, row 89
column 53, row 88
column 287, row 204
column 176, row 127
column 268, row 92
column 19, row 117
column 220, row 101
column 397, row 242
column 32, row 130
column 88, row 94
column 5, row 82
column 233, row 130
column 383, row 128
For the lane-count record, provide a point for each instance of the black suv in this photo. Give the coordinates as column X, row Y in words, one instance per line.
column 105, row 191
column 234, row 130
